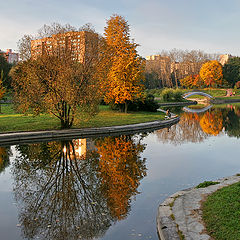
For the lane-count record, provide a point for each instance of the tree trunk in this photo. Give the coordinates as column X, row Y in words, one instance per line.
column 126, row 105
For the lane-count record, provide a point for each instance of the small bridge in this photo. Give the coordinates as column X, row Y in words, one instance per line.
column 196, row 110
column 189, row 94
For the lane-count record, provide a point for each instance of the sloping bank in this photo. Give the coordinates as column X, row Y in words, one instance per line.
column 173, row 104
column 180, row 215
column 39, row 136
column 227, row 100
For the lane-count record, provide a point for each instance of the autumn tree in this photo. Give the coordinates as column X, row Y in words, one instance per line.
column 192, row 81
column 59, row 85
column 125, row 66
column 211, row 73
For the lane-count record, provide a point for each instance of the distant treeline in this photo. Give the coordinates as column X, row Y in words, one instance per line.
column 168, row 67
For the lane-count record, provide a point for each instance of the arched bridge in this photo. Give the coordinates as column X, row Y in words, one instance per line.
column 189, row 94
column 199, row 110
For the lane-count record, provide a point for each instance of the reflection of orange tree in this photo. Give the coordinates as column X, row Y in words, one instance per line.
column 187, row 130
column 212, row 122
column 121, row 169
column 4, row 158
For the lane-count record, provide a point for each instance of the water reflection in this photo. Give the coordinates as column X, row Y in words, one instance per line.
column 76, row 189
column 196, row 127
column 5, row 153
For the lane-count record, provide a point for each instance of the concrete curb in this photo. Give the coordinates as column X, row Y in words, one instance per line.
column 173, row 104
column 180, row 214
column 26, row 137
column 222, row 101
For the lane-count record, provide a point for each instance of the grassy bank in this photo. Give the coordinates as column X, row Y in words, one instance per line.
column 10, row 121
column 215, row 92
column 221, row 213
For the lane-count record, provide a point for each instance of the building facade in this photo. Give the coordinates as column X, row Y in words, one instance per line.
column 10, row 56
column 78, row 44
column 224, row 58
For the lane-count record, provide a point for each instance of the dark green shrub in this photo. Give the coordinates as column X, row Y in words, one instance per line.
column 167, row 94
column 148, row 105
column 177, row 95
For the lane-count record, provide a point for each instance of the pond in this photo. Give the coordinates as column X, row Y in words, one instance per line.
column 110, row 188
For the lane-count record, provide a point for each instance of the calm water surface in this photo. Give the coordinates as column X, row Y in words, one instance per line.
column 110, row 188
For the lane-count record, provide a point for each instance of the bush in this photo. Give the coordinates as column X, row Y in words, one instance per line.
column 169, row 94
column 148, row 105
column 177, row 95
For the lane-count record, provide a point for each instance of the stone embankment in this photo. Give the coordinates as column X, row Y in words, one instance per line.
column 227, row 100
column 173, row 104
column 180, row 215
column 38, row 136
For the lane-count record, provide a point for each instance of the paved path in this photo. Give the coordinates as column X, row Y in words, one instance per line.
column 38, row 136
column 181, row 213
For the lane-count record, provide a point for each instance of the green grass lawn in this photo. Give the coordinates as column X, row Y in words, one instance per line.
column 221, row 213
column 10, row 121
column 215, row 92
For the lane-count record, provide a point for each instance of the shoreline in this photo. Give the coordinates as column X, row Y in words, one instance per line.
column 67, row 134
column 181, row 215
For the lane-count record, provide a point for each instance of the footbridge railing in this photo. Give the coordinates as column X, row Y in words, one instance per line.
column 195, row 110
column 189, row 94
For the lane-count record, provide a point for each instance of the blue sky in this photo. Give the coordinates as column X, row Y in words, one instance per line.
column 209, row 25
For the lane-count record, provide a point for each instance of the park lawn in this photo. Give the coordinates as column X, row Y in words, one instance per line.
column 221, row 213
column 215, row 92
column 10, row 121
column 232, row 97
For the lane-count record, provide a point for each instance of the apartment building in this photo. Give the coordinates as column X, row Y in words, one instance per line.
column 10, row 56
column 78, row 44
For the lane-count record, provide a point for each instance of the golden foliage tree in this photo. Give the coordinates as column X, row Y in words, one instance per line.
column 125, row 66
column 121, row 169
column 59, row 85
column 192, row 81
column 211, row 73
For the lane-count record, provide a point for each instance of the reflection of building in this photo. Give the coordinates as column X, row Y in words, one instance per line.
column 10, row 56
column 81, row 146
column 58, row 44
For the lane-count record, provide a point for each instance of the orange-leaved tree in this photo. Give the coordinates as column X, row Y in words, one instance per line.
column 211, row 73
column 125, row 67
column 192, row 81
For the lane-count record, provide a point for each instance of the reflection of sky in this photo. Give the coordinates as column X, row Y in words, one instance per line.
column 8, row 211
column 173, row 168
